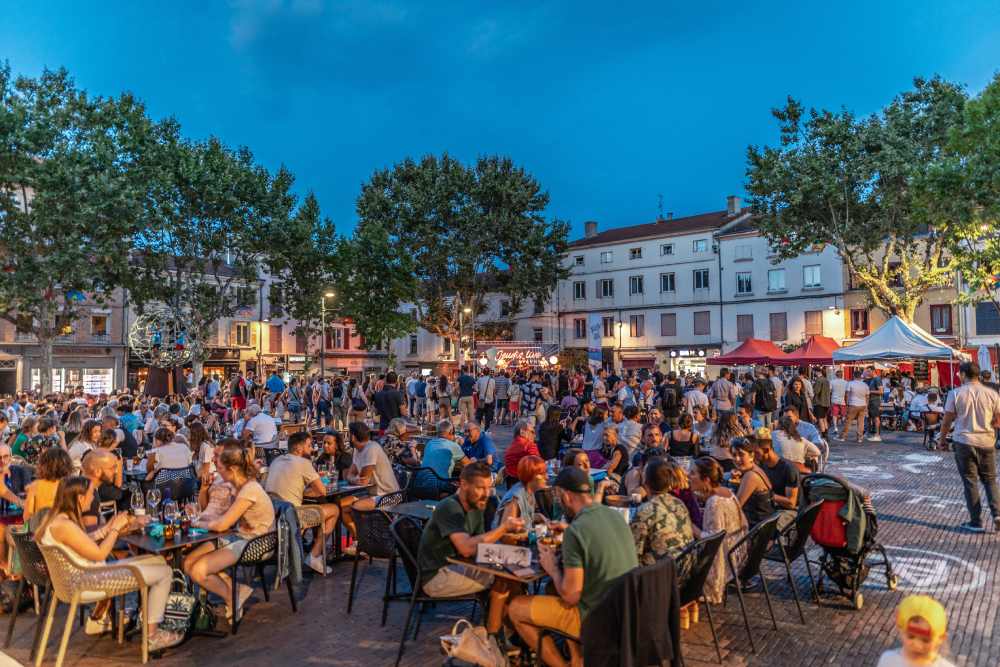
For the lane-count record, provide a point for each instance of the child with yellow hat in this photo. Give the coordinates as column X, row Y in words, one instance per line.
column 923, row 627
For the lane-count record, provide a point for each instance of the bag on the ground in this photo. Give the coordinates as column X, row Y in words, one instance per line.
column 181, row 606
column 472, row 644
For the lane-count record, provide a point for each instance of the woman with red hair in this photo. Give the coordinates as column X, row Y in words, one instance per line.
column 519, row 501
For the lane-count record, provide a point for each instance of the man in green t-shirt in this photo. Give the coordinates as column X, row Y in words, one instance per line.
column 455, row 530
column 597, row 548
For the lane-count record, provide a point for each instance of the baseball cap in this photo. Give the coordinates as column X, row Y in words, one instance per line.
column 925, row 607
column 573, row 479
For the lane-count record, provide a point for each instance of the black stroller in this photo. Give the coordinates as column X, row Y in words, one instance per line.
column 845, row 528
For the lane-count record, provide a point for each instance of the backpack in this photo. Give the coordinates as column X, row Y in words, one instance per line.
column 337, row 396
column 770, row 399
column 669, row 399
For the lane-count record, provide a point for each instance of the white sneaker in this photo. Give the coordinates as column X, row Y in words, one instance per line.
column 875, row 438
column 317, row 564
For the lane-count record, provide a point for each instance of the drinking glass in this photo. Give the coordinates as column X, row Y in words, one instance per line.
column 170, row 513
column 153, row 499
column 137, row 503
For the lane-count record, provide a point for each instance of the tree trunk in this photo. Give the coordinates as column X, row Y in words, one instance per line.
column 197, row 369
column 45, row 365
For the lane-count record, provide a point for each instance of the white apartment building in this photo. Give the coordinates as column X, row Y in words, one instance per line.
column 674, row 292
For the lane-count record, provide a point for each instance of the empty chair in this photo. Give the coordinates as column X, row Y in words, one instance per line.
column 791, row 545
column 34, row 572
column 756, row 543
column 693, row 565
column 260, row 551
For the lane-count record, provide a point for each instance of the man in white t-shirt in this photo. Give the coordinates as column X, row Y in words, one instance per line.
column 261, row 425
column 973, row 410
column 292, row 477
column 696, row 397
column 370, row 467
column 856, row 396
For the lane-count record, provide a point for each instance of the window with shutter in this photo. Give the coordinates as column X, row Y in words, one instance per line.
column 859, row 323
column 636, row 325
column 300, row 342
column 254, row 335
column 814, row 322
column 702, row 323
column 987, row 319
column 608, row 323
column 779, row 326
column 941, row 320
column 274, row 339
column 744, row 327
column 668, row 324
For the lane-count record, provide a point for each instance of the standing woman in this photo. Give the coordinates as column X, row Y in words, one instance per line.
column 252, row 513
column 359, row 404
column 294, row 400
column 63, row 527
column 797, row 398
column 444, row 397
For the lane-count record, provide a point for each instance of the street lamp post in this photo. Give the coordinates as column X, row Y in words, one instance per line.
column 466, row 310
column 322, row 335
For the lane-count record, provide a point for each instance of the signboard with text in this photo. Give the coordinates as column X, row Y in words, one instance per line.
column 594, row 335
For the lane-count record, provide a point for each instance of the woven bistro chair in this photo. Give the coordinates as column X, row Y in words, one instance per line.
column 258, row 552
column 73, row 584
column 35, row 573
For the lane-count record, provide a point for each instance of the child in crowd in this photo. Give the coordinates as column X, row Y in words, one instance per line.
column 923, row 628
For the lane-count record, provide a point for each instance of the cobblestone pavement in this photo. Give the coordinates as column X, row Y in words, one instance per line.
column 918, row 497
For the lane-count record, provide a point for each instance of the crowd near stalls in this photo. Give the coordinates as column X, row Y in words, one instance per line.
column 611, row 479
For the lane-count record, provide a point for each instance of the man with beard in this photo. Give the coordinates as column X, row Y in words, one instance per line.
column 455, row 530
column 597, row 549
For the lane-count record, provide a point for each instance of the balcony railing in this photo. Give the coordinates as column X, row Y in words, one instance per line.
column 100, row 338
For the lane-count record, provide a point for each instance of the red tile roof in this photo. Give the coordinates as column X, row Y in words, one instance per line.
column 686, row 225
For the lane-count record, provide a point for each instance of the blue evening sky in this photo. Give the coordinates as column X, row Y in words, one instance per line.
column 607, row 104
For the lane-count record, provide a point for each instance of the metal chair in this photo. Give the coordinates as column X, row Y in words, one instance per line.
column 693, row 566
column 756, row 543
column 791, row 545
column 376, row 541
column 34, row 572
column 73, row 584
column 258, row 552
column 406, row 532
column 931, row 422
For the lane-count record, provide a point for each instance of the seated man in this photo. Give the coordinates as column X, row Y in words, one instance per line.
column 597, row 548
column 443, row 452
column 369, row 467
column 261, row 426
column 784, row 478
column 291, row 478
column 478, row 446
column 456, row 529
column 806, row 429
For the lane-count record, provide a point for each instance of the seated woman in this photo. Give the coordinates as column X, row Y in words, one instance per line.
column 616, row 455
column 755, row 492
column 633, row 478
column 54, row 465
column 729, row 427
column 661, row 526
column 397, row 447
column 703, row 427
column 578, row 458
column 681, row 489
column 251, row 512
column 793, row 447
column 63, row 527
column 166, row 453
column 683, row 440
column 216, row 495
column 722, row 512
column 519, row 501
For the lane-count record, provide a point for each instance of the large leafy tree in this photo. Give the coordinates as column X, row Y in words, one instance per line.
column 439, row 236
column 71, row 194
column 209, row 219
column 964, row 184
column 851, row 182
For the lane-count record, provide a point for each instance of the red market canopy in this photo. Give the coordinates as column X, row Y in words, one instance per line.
column 816, row 350
column 751, row 351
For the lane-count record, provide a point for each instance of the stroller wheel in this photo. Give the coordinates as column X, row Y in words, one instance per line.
column 858, row 601
column 892, row 581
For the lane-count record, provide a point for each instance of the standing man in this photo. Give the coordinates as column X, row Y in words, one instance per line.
column 973, row 410
column 275, row 384
column 723, row 394
column 779, row 388
column 857, row 405
column 388, row 401
column 765, row 398
column 874, row 403
column 821, row 399
column 838, row 401
column 466, row 404
column 502, row 383
column 486, row 388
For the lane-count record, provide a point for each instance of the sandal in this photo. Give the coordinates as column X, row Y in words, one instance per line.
column 162, row 639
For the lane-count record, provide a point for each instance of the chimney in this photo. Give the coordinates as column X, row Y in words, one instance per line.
column 732, row 205
column 589, row 229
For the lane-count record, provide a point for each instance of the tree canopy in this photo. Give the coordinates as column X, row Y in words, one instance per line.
column 71, row 198
column 439, row 235
column 853, row 182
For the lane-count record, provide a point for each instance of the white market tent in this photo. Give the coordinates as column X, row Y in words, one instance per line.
column 897, row 340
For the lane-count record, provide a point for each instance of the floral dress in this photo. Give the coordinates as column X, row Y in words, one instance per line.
column 722, row 514
column 661, row 527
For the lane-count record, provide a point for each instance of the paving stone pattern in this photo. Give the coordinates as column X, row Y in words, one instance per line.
column 918, row 497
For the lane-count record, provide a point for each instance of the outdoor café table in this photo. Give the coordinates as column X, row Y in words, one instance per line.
column 421, row 510
column 174, row 547
column 499, row 571
column 334, row 494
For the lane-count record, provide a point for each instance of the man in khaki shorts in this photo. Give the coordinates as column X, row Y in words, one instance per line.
column 455, row 530
column 857, row 406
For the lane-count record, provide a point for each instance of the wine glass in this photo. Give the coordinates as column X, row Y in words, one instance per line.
column 153, row 499
column 137, row 503
column 170, row 513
